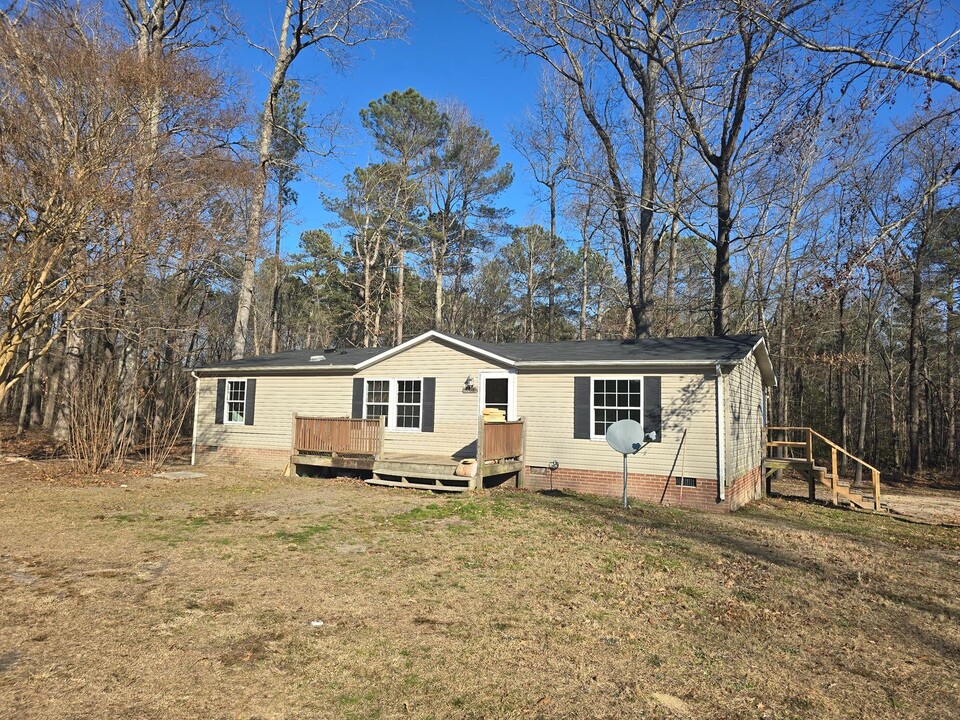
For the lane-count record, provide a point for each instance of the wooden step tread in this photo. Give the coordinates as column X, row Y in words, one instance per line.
column 415, row 475
column 418, row 486
column 787, row 463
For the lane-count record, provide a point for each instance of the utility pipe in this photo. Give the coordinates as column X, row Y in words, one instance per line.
column 196, row 404
column 721, row 459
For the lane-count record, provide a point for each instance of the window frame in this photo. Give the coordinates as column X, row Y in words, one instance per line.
column 393, row 395
column 593, row 401
column 366, row 395
column 227, row 401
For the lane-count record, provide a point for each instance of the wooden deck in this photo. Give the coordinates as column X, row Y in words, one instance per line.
column 357, row 445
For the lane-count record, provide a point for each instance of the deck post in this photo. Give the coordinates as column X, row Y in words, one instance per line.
column 876, row 489
column 383, row 426
column 523, row 452
column 479, row 476
column 834, row 480
column 291, row 467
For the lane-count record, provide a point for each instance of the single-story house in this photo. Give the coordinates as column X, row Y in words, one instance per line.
column 534, row 412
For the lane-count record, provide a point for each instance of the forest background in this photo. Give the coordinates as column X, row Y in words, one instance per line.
column 187, row 181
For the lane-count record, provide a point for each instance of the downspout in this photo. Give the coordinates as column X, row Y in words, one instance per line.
column 196, row 404
column 721, row 459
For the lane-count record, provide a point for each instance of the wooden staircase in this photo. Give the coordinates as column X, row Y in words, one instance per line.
column 792, row 448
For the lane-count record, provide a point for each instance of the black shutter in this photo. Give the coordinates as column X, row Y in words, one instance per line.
column 250, row 401
column 429, row 398
column 652, row 415
column 581, row 408
column 356, row 411
column 221, row 399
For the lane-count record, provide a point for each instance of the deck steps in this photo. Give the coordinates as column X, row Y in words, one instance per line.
column 840, row 491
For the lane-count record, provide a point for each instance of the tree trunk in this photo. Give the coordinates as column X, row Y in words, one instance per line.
column 584, row 270
column 401, row 280
column 670, row 319
column 865, row 374
column 275, row 295
column 256, row 334
column 552, row 273
column 51, row 393
column 68, row 380
column 842, row 377
column 367, row 303
column 721, row 267
column 438, row 300
column 951, row 381
column 786, row 297
column 913, row 375
column 26, row 389
column 648, row 250
column 531, row 279
column 285, row 56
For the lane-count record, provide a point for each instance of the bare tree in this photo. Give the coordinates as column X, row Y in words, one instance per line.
column 333, row 27
column 546, row 139
column 712, row 61
column 65, row 148
column 609, row 53
column 902, row 39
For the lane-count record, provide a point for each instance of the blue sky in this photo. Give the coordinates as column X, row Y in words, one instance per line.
column 448, row 53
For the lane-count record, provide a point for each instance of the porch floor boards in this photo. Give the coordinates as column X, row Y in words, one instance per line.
column 418, row 470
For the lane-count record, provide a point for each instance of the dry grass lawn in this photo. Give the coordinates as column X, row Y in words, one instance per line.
column 196, row 599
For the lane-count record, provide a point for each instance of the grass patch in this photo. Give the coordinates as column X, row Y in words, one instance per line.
column 491, row 605
column 302, row 536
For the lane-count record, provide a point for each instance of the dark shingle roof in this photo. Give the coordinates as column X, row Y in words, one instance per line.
column 345, row 357
column 666, row 351
column 652, row 350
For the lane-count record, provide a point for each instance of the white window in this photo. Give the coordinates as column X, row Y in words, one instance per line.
column 400, row 402
column 616, row 399
column 235, row 407
column 409, row 394
column 377, row 401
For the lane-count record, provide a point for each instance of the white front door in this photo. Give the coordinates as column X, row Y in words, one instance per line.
column 498, row 389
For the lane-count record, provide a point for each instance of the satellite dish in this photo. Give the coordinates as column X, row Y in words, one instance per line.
column 625, row 436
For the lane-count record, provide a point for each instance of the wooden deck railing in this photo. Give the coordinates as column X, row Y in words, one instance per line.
column 806, row 444
column 500, row 440
column 337, row 436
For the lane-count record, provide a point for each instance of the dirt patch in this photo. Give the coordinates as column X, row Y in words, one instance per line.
column 905, row 500
column 940, row 508
column 245, row 594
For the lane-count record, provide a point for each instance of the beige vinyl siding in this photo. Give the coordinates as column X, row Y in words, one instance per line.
column 545, row 400
column 456, row 412
column 743, row 397
column 278, row 397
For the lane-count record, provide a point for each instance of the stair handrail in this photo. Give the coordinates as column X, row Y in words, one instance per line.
column 850, row 455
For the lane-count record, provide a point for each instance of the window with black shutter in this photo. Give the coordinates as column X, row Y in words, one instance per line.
column 601, row 401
